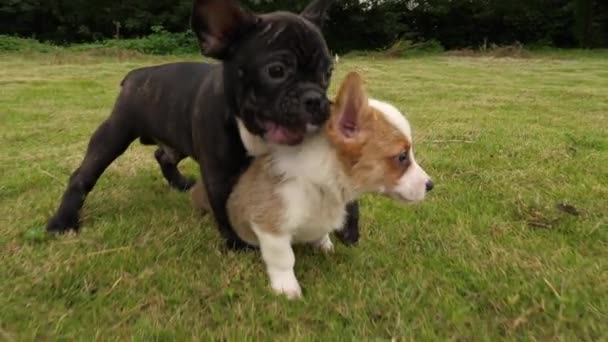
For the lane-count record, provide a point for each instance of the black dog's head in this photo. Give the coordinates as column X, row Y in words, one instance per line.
column 277, row 66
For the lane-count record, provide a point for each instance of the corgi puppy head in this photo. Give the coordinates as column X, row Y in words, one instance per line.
column 374, row 142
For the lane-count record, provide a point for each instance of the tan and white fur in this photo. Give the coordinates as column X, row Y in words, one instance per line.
column 298, row 194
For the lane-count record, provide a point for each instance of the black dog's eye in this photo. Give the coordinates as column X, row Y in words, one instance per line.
column 276, row 71
column 327, row 76
column 329, row 72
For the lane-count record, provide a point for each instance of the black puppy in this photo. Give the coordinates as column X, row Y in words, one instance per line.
column 274, row 77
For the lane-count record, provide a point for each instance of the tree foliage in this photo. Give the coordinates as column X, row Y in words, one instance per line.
column 354, row 24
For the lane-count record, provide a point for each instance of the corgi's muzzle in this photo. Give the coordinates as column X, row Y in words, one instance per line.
column 413, row 185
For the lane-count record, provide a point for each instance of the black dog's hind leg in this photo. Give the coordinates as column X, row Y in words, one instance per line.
column 108, row 142
column 168, row 159
column 349, row 235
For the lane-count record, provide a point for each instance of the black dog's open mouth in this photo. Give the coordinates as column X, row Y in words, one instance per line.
column 279, row 134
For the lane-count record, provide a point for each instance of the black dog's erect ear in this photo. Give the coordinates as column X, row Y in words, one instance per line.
column 316, row 11
column 217, row 24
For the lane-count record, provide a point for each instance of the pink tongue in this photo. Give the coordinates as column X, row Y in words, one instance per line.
column 280, row 135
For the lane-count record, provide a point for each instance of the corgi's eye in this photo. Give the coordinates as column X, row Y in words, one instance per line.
column 403, row 158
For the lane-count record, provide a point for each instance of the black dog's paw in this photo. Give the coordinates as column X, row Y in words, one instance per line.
column 183, row 184
column 59, row 225
column 188, row 183
column 348, row 236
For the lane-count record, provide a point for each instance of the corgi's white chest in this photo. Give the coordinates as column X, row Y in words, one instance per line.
column 312, row 192
column 311, row 211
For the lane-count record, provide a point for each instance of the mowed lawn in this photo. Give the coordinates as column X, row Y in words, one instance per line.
column 513, row 241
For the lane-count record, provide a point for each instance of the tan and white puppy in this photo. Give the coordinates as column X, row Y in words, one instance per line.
column 298, row 194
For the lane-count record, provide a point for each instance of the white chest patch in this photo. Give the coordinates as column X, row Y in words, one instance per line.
column 313, row 190
column 255, row 145
column 311, row 211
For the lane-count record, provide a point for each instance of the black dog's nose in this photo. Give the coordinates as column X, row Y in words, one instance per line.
column 317, row 105
column 429, row 185
column 312, row 101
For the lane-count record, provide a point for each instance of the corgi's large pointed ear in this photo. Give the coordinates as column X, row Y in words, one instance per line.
column 352, row 104
column 217, row 24
column 316, row 11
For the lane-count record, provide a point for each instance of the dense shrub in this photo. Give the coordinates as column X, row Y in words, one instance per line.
column 12, row 44
column 160, row 42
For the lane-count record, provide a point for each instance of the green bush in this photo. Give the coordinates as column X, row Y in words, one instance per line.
column 160, row 42
column 16, row 44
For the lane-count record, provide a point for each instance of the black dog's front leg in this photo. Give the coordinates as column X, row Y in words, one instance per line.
column 222, row 158
column 349, row 235
column 219, row 188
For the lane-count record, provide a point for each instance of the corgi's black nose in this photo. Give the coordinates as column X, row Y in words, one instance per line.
column 429, row 185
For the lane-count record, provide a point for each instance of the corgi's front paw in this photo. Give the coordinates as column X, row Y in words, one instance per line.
column 286, row 284
column 325, row 245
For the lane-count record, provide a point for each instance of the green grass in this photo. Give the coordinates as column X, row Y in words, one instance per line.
column 489, row 255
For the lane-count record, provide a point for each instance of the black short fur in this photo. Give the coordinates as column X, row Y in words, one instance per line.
column 190, row 109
